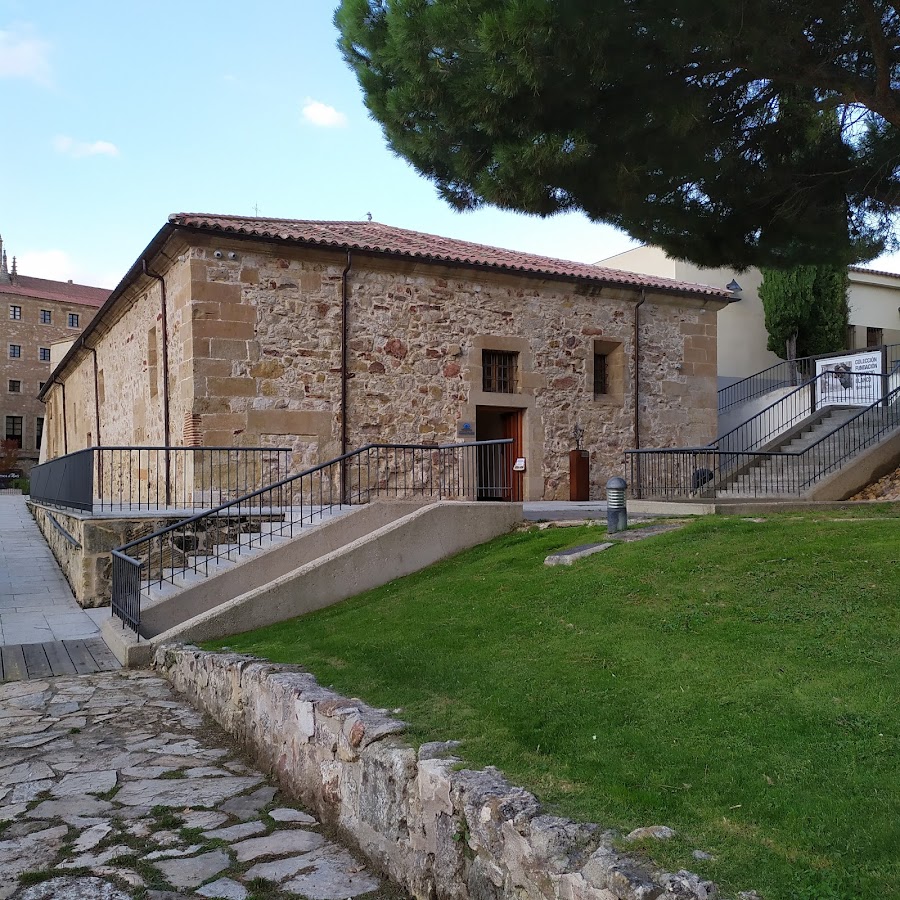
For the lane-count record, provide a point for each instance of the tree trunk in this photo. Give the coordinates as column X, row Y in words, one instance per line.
column 790, row 346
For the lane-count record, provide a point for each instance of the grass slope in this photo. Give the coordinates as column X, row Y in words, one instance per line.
column 735, row 680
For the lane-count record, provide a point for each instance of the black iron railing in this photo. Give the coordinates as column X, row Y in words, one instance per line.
column 710, row 472
column 787, row 374
column 198, row 544
column 126, row 479
column 827, row 389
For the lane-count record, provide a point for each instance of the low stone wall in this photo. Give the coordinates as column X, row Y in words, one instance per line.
column 82, row 547
column 441, row 833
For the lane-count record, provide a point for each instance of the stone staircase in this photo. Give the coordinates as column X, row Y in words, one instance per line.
column 807, row 456
column 237, row 550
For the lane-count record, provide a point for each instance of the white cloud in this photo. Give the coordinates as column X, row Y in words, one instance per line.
column 70, row 147
column 58, row 265
column 322, row 115
column 23, row 55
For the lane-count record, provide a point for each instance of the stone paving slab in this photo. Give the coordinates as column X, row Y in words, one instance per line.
column 111, row 787
column 36, row 602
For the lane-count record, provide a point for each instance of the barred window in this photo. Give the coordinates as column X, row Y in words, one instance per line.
column 499, row 371
column 601, row 374
column 874, row 337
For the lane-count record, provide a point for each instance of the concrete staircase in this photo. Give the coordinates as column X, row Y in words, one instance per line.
column 788, row 471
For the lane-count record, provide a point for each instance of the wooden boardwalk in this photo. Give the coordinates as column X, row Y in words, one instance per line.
column 19, row 662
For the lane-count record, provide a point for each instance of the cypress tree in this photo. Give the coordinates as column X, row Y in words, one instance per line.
column 806, row 310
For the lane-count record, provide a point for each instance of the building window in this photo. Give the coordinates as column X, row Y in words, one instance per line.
column 14, row 430
column 38, row 432
column 498, row 371
column 41, row 385
column 851, row 337
column 15, row 387
column 15, row 351
column 73, row 320
column 601, row 374
column 44, row 354
column 15, row 312
column 874, row 337
column 46, row 317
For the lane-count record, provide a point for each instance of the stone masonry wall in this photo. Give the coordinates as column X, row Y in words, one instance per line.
column 130, row 379
column 441, row 833
column 266, row 345
column 87, row 564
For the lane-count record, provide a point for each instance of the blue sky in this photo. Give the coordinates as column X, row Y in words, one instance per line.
column 116, row 114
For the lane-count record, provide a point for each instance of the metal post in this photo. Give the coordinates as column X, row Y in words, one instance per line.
column 616, row 513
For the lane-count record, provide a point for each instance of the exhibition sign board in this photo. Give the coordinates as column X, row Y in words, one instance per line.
column 851, row 380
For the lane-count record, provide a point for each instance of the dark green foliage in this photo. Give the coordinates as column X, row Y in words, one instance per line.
column 667, row 118
column 806, row 310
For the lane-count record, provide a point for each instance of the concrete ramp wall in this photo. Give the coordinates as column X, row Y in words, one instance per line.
column 400, row 548
column 310, row 543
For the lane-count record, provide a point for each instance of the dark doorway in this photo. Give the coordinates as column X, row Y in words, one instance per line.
column 496, row 478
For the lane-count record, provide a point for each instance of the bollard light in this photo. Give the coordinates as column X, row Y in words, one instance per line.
column 616, row 513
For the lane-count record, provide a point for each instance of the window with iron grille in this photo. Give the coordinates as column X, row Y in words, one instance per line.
column 15, row 312
column 498, row 371
column 874, row 337
column 73, row 320
column 44, row 354
column 15, row 386
column 601, row 374
column 46, row 317
column 14, row 430
column 15, row 351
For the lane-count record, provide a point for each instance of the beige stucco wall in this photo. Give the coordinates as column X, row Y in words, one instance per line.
column 875, row 303
column 255, row 354
column 874, row 300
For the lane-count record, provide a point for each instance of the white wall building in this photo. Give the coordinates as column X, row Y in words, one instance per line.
column 874, row 299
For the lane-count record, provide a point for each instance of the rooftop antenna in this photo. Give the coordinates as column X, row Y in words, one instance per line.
column 369, row 216
column 256, row 210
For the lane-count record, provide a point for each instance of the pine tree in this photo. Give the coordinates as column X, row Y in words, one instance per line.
column 664, row 117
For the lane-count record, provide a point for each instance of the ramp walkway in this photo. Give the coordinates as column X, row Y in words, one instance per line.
column 36, row 603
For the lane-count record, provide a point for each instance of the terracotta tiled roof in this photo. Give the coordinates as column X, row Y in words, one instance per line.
column 377, row 238
column 862, row 270
column 64, row 291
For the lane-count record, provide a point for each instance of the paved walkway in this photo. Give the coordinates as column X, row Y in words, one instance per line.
column 36, row 603
column 111, row 787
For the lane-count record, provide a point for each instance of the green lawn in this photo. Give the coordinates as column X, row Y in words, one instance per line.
column 737, row 681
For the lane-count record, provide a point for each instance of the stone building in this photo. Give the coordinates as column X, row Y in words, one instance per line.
column 325, row 336
column 35, row 313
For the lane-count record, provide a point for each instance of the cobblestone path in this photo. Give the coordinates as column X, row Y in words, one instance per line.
column 112, row 787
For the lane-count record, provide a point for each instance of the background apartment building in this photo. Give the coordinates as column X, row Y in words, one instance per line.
column 34, row 313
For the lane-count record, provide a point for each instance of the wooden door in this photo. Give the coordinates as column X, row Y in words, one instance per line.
column 512, row 428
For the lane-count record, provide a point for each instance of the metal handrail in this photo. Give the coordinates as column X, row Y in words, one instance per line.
column 802, row 411
column 758, row 384
column 474, row 476
column 154, row 477
column 710, row 470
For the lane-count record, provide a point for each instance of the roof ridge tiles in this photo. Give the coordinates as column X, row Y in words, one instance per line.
column 377, row 237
